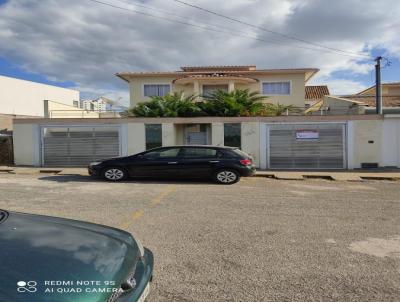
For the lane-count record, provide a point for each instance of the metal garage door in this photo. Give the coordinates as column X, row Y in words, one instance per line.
column 78, row 146
column 307, row 146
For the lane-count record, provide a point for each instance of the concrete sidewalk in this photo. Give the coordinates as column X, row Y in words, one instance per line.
column 349, row 175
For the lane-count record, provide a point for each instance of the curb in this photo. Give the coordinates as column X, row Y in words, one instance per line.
column 285, row 175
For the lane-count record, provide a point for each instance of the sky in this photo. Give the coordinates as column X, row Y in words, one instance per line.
column 81, row 44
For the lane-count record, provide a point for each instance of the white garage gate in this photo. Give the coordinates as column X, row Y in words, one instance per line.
column 78, row 146
column 306, row 146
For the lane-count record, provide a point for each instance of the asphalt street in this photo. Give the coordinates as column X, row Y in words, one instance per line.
column 258, row 240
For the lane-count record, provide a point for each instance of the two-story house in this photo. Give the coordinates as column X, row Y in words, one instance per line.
column 283, row 86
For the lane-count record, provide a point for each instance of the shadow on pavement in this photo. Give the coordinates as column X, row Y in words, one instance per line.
column 83, row 178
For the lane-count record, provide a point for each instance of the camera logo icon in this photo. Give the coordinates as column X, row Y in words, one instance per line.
column 26, row 286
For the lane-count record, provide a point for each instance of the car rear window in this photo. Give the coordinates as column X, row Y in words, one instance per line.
column 199, row 152
column 236, row 153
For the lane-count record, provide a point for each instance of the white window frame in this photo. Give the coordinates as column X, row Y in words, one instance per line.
column 281, row 81
column 169, row 84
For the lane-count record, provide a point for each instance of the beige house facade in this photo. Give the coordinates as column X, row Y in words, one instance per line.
column 283, row 86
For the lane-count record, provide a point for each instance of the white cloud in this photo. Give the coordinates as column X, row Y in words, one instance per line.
column 87, row 43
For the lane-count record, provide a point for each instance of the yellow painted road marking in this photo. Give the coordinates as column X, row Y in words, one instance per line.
column 160, row 197
column 153, row 202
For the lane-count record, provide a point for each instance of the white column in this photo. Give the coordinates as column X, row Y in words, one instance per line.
column 251, row 140
column 217, row 134
column 168, row 134
column 136, row 138
column 231, row 86
column 196, row 89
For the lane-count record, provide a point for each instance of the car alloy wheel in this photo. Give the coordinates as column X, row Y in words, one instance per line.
column 114, row 174
column 227, row 177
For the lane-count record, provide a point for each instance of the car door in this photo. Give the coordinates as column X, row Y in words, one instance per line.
column 198, row 161
column 163, row 162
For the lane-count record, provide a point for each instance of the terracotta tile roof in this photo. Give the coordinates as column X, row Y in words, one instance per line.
column 245, row 71
column 220, row 68
column 369, row 100
column 316, row 92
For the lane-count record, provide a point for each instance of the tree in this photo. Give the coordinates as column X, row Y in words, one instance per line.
column 236, row 103
column 171, row 105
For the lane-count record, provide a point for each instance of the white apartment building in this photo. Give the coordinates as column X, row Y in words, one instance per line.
column 99, row 105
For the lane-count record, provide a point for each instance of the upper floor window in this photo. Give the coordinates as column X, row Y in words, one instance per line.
column 276, row 88
column 156, row 89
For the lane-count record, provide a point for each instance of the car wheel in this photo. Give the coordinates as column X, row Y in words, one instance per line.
column 226, row 177
column 114, row 174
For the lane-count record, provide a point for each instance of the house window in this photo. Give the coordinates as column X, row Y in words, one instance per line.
column 276, row 88
column 209, row 89
column 153, row 136
column 233, row 135
column 75, row 103
column 156, row 89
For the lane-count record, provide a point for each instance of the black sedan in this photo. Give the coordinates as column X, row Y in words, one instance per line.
column 48, row 259
column 223, row 164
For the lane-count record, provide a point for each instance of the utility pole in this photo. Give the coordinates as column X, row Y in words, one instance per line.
column 378, row 85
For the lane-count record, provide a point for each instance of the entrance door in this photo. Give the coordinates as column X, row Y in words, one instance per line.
column 307, row 146
column 196, row 134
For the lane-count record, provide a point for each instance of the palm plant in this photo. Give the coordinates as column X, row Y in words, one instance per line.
column 171, row 105
column 236, row 103
column 277, row 109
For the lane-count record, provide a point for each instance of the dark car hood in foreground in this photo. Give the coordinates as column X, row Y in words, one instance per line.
column 39, row 248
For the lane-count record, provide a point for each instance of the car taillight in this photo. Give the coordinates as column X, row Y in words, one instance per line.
column 245, row 162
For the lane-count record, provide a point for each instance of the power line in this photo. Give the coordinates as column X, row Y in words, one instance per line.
column 184, row 18
column 209, row 28
column 268, row 30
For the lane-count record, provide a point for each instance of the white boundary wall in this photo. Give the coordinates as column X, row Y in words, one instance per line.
column 374, row 140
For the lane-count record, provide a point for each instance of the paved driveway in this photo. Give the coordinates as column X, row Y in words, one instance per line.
column 258, row 240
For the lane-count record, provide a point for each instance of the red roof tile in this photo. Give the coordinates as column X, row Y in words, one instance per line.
column 316, row 92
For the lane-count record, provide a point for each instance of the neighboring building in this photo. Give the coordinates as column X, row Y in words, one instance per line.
column 99, row 105
column 390, row 97
column 315, row 94
column 364, row 102
column 20, row 97
column 284, row 86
